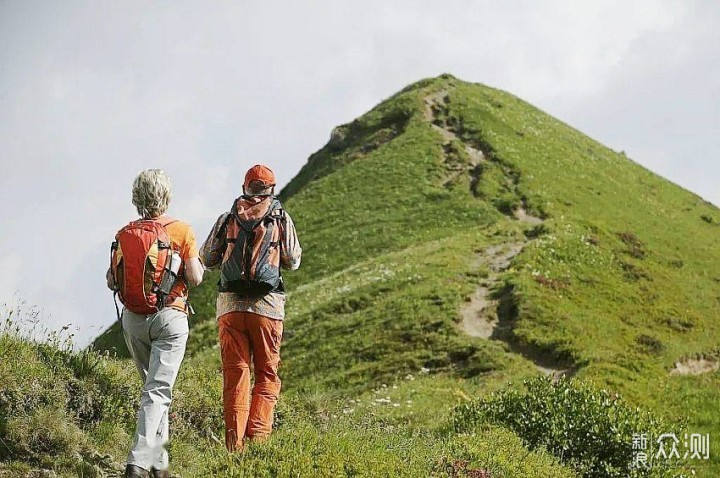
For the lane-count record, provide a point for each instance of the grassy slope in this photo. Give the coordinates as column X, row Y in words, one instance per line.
column 69, row 411
column 388, row 262
column 630, row 310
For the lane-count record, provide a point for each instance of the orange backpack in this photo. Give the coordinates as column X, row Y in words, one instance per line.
column 251, row 263
column 144, row 265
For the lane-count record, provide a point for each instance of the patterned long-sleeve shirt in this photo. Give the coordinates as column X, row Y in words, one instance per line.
column 271, row 305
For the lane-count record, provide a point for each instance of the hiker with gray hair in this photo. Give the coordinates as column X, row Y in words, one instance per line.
column 153, row 261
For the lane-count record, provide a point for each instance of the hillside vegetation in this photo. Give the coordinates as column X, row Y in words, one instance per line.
column 458, row 244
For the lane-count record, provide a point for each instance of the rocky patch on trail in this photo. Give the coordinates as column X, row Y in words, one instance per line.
column 695, row 366
column 522, row 215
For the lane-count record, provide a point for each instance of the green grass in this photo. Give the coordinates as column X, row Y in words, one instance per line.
column 610, row 283
column 63, row 410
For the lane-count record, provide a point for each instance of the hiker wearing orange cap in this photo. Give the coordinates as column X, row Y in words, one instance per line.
column 250, row 244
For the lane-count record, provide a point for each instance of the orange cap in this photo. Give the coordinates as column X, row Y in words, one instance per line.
column 261, row 173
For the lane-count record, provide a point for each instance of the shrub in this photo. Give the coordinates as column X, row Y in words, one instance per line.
column 707, row 219
column 589, row 429
column 636, row 248
column 649, row 344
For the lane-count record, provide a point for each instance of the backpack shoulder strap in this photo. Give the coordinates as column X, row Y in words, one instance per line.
column 277, row 212
column 165, row 221
column 233, row 213
column 229, row 216
column 222, row 230
column 276, row 208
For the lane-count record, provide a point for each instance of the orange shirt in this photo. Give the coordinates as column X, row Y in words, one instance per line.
column 182, row 237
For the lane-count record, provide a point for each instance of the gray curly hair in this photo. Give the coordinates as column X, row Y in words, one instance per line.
column 151, row 193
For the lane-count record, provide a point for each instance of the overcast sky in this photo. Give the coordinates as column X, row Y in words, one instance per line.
column 92, row 92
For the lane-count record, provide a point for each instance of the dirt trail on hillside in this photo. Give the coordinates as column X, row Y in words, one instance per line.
column 480, row 315
column 435, row 104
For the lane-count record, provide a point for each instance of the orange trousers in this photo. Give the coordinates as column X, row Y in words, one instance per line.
column 245, row 336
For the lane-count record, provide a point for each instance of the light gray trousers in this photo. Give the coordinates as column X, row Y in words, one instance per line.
column 157, row 345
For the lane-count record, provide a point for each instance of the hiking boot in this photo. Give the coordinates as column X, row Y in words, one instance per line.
column 160, row 473
column 134, row 471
